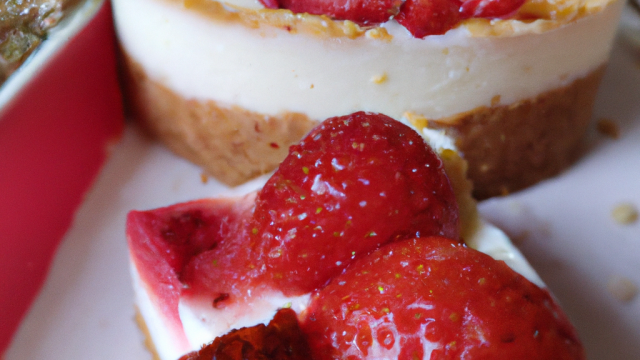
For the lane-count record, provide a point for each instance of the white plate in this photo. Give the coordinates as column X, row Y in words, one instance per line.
column 85, row 310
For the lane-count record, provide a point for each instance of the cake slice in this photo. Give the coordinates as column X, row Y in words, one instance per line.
column 355, row 186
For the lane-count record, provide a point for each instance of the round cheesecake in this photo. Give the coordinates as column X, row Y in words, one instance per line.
column 230, row 85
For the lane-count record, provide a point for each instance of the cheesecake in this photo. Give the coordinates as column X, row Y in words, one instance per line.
column 203, row 268
column 231, row 85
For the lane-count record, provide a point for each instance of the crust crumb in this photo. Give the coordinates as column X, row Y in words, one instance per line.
column 379, row 79
column 495, row 100
column 625, row 213
column 622, row 288
column 148, row 342
column 608, row 127
column 204, row 178
column 420, row 122
column 378, row 33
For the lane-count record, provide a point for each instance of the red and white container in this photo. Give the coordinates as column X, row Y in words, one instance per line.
column 58, row 114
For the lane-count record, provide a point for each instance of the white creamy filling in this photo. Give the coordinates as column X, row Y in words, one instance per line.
column 270, row 71
column 202, row 323
column 167, row 344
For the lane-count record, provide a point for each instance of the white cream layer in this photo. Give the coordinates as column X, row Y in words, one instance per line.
column 270, row 71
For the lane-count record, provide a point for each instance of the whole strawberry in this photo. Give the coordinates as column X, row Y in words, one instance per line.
column 354, row 183
column 436, row 299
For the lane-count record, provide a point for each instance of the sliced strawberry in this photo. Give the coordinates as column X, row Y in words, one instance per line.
column 282, row 339
column 363, row 12
column 167, row 246
column 353, row 184
column 436, row 299
column 491, row 9
column 429, row 17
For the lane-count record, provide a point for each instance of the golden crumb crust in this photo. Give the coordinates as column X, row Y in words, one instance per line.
column 513, row 146
column 231, row 144
column 148, row 342
column 508, row 147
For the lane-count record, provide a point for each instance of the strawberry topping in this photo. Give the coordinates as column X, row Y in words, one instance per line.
column 359, row 212
column 354, row 183
column 363, row 12
column 420, row 17
column 489, row 8
column 190, row 247
column 436, row 299
column 429, row 17
column 280, row 340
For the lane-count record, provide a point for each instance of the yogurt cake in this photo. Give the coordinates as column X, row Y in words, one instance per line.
column 186, row 257
column 230, row 85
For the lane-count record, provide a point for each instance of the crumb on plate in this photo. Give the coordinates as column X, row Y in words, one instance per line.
column 608, row 127
column 622, row 288
column 625, row 213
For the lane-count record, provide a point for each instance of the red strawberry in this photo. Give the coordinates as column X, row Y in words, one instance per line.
column 433, row 298
column 429, row 17
column 280, row 340
column 489, row 8
column 353, row 184
column 191, row 247
column 363, row 12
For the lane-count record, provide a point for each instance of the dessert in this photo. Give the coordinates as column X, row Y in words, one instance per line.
column 238, row 83
column 281, row 339
column 355, row 191
column 410, row 300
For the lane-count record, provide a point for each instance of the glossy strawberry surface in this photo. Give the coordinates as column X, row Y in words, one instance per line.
column 429, row 17
column 420, row 17
column 363, row 12
column 433, row 298
column 354, row 183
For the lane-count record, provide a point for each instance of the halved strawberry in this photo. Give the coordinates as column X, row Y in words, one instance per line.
column 282, row 339
column 353, row 184
column 429, row 17
column 434, row 298
column 195, row 246
column 363, row 12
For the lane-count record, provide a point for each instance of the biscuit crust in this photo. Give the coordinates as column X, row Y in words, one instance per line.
column 508, row 147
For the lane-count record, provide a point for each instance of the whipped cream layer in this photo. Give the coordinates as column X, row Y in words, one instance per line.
column 269, row 70
column 202, row 323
